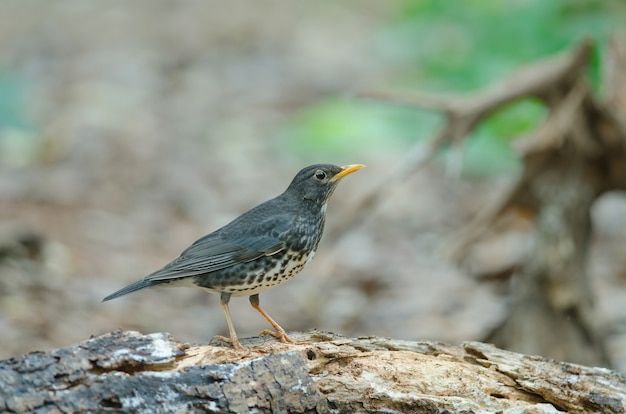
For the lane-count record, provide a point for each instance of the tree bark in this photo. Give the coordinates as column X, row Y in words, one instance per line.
column 131, row 372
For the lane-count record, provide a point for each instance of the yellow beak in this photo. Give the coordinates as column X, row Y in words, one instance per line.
column 345, row 170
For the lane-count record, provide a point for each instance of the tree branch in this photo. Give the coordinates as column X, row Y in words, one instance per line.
column 540, row 79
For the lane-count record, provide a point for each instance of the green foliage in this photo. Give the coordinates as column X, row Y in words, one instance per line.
column 488, row 150
column 11, row 91
column 458, row 46
column 465, row 45
column 342, row 126
column 18, row 143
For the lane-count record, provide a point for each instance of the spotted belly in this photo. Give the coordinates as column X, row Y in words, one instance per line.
column 254, row 277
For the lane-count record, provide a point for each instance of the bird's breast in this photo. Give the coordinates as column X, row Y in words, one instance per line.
column 269, row 272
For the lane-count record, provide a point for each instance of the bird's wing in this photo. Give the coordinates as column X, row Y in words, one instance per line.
column 225, row 248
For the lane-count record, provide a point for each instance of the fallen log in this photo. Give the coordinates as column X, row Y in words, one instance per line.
column 126, row 371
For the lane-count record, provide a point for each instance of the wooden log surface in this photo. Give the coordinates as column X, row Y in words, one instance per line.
column 127, row 371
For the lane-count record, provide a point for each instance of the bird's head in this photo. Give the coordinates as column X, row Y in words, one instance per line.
column 317, row 182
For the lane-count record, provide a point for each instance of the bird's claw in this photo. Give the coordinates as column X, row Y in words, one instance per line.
column 233, row 341
column 282, row 336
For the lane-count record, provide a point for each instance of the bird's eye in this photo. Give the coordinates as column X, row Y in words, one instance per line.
column 320, row 175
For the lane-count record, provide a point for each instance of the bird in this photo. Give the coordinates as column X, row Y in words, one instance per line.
column 259, row 250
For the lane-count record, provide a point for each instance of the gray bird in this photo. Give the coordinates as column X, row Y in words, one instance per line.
column 261, row 249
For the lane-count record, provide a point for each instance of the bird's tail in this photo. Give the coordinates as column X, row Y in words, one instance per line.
column 133, row 287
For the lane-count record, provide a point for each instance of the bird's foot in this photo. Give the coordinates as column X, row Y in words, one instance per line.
column 233, row 341
column 282, row 336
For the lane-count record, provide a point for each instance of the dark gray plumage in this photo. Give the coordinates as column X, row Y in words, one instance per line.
column 264, row 247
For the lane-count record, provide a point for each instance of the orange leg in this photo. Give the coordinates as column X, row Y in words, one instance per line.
column 278, row 331
column 233, row 340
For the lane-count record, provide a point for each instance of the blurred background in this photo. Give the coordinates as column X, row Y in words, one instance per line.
column 130, row 129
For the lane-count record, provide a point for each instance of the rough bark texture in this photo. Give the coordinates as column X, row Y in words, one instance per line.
column 131, row 372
